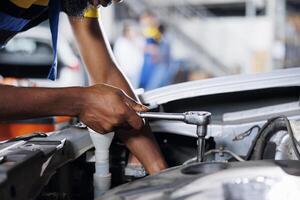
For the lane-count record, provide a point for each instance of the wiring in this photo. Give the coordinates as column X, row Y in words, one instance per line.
column 241, row 136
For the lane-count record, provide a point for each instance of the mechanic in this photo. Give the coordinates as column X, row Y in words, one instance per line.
column 107, row 105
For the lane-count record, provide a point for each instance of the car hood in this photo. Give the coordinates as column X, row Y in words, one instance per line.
column 228, row 84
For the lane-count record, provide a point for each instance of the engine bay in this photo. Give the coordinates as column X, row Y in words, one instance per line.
column 250, row 150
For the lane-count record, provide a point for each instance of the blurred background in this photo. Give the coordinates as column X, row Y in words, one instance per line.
column 158, row 43
column 182, row 40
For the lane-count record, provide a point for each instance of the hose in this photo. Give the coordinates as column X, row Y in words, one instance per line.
column 270, row 130
column 271, row 127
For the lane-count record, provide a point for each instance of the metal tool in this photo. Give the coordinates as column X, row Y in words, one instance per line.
column 200, row 119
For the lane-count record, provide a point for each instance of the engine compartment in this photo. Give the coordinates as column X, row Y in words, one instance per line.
column 247, row 129
column 252, row 147
column 217, row 181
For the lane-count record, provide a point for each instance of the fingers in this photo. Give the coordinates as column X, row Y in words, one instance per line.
column 133, row 119
column 135, row 105
column 113, row 110
column 129, row 119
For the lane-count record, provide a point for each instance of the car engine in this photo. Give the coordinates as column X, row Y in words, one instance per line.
column 233, row 138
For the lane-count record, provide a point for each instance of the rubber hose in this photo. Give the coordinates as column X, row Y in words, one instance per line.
column 266, row 134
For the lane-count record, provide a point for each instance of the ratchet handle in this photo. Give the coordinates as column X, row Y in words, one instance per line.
column 192, row 117
column 166, row 116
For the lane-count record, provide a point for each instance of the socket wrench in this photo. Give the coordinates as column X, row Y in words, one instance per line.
column 199, row 118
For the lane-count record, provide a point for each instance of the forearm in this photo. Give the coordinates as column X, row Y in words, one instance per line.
column 97, row 55
column 23, row 103
column 141, row 143
column 102, row 68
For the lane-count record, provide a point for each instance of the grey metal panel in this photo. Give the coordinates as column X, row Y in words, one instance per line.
column 79, row 139
column 288, row 109
column 235, row 83
column 174, row 183
column 35, row 161
column 223, row 133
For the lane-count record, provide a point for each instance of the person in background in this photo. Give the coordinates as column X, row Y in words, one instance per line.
column 152, row 36
column 107, row 105
column 128, row 50
column 162, row 72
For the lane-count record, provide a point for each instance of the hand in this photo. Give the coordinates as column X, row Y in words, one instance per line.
column 105, row 108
